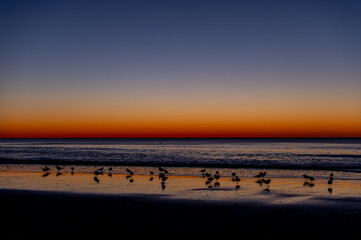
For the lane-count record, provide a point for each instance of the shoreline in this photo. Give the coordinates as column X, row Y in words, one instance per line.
column 8, row 161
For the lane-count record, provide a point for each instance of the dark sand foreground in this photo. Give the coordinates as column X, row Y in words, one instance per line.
column 45, row 215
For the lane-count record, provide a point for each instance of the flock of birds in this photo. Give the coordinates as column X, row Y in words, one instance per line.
column 212, row 180
column 100, row 171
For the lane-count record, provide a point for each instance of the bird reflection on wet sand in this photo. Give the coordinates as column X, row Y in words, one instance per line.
column 212, row 178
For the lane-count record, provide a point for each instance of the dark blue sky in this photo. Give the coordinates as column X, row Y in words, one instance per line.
column 181, row 36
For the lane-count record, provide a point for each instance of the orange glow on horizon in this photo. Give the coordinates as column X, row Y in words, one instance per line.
column 179, row 130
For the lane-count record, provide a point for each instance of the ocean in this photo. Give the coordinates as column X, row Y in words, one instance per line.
column 269, row 153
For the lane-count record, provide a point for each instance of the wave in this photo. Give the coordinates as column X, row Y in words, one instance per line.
column 247, row 164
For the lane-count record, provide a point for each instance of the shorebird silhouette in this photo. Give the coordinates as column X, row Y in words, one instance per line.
column 59, row 168
column 237, row 187
column 100, row 169
column 161, row 169
column 268, row 181
column 164, row 178
column 45, row 169
column 308, row 177
column 329, row 190
column 110, row 169
column 261, row 175
column 237, row 179
column 128, row 170
column 203, row 171
column 96, row 179
column 330, row 181
column 151, row 172
column 59, row 174
column 96, row 172
column 46, row 174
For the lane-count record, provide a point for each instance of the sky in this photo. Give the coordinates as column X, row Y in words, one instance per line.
column 180, row 68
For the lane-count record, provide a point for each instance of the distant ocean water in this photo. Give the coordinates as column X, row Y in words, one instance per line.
column 293, row 153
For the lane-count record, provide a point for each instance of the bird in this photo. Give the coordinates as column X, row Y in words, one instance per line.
column 237, row 187
column 72, row 168
column 151, row 172
column 110, row 169
column 100, row 169
column 233, row 174
column 128, row 170
column 203, row 171
column 59, row 174
column 261, row 175
column 45, row 169
column 237, row 179
column 329, row 190
column 268, row 181
column 217, row 176
column 161, row 169
column 330, row 181
column 164, row 178
column 96, row 172
column 331, row 175
column 96, row 179
column 217, row 184
column 58, row 168
column 308, row 177
column 46, row 174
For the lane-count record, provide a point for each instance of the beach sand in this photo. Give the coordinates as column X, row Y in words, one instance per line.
column 75, row 206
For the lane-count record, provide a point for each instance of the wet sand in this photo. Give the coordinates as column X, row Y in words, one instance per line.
column 44, row 214
column 119, row 206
